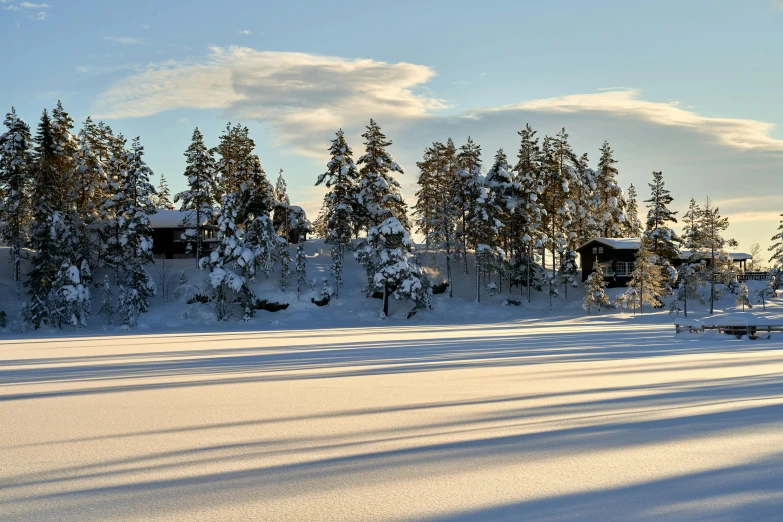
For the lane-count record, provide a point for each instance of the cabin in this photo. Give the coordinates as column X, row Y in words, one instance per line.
column 616, row 257
column 168, row 227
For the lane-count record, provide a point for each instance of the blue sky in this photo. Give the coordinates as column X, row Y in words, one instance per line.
column 690, row 88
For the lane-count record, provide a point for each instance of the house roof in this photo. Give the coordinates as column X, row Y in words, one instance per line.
column 175, row 219
column 633, row 243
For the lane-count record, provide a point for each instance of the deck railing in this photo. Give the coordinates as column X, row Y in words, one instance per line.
column 752, row 276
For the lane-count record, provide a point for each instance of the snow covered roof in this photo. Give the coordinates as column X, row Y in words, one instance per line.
column 618, row 243
column 633, row 243
column 174, row 219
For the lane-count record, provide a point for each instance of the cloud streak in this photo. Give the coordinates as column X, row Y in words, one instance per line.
column 125, row 40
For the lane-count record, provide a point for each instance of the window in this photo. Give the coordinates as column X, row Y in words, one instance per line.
column 623, row 268
column 595, row 250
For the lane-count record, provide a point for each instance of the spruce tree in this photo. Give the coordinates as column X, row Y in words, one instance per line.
column 163, row 199
column 301, row 269
column 632, row 224
column 380, row 193
column 133, row 209
column 16, row 163
column 485, row 224
column 500, row 183
column 647, row 280
column 595, row 291
column 107, row 308
column 690, row 276
column 90, row 190
column 234, row 148
column 282, row 217
column 397, row 274
column 201, row 197
column 610, row 201
column 743, row 298
column 467, row 187
column 341, row 177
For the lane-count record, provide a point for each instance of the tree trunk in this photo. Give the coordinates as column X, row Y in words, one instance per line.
column 386, row 299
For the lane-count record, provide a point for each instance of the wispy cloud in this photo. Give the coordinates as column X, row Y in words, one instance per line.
column 38, row 16
column 11, row 7
column 246, row 32
column 303, row 96
column 124, row 40
column 29, row 5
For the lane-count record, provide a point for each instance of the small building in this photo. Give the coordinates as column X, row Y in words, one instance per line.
column 168, row 226
column 617, row 255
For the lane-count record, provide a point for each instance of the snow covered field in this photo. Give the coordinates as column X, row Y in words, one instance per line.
column 599, row 418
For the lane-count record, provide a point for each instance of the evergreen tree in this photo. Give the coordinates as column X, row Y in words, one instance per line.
column 340, row 203
column 234, row 148
column 632, row 224
column 15, row 172
column 691, row 277
column 662, row 240
column 500, row 182
column 467, row 188
column 743, row 298
column 201, row 197
column 485, row 224
column 595, row 291
column 426, row 196
column 107, row 309
column 647, row 279
column 133, row 210
column 163, row 200
column 528, row 215
column 301, row 269
column 776, row 260
column 610, row 201
column 397, row 274
column 719, row 265
column 380, row 194
column 282, row 218
column 71, row 299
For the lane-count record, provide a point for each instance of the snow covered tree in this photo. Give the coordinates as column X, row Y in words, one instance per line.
column 71, row 299
column 467, row 186
column 662, row 240
column 691, row 278
column 234, row 148
column 379, row 192
column 632, row 226
column 163, row 199
column 719, row 265
column 201, row 197
column 340, row 203
column 15, row 173
column 301, row 270
column 610, row 201
column 524, row 201
column 282, row 218
column 776, row 260
column 285, row 263
column 647, row 279
column 485, row 224
column 107, row 308
column 743, row 298
column 595, row 291
column 397, row 274
column 133, row 209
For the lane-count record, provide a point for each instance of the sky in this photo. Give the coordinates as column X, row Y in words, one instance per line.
column 691, row 89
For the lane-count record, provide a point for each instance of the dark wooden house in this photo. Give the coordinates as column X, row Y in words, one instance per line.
column 617, row 255
column 168, row 227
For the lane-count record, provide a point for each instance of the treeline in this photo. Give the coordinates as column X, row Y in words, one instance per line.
column 72, row 203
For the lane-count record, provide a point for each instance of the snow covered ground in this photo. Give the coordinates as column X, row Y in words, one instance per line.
column 467, row 412
column 600, row 418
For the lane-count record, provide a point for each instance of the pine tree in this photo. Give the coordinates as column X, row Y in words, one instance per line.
column 380, row 194
column 528, row 214
column 485, row 224
column 340, row 203
column 235, row 147
column 647, row 279
column 15, row 173
column 743, row 298
column 467, row 188
column 301, row 269
column 609, row 196
column 595, row 291
column 397, row 274
column 163, row 200
column 776, row 260
column 284, row 256
column 712, row 225
column 90, row 190
column 201, row 197
column 71, row 299
column 500, row 182
column 662, row 240
column 632, row 224
column 107, row 309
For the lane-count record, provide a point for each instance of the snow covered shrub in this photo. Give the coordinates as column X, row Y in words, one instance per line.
column 595, row 291
column 511, row 302
column 743, row 297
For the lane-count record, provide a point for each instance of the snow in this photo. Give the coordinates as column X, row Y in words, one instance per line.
column 633, row 243
column 467, row 411
column 163, row 218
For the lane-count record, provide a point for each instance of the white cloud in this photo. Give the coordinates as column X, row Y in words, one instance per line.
column 304, row 97
column 145, row 26
column 29, row 5
column 11, row 8
column 38, row 16
column 124, row 40
column 246, row 32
